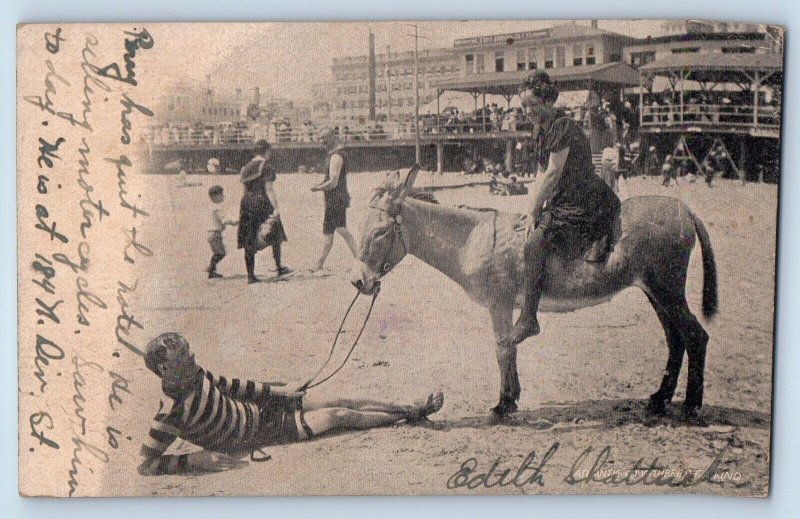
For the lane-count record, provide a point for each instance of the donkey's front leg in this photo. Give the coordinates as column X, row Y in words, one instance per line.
column 506, row 361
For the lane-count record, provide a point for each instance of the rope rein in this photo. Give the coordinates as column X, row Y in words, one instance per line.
column 311, row 382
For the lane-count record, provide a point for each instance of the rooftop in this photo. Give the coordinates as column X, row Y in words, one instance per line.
column 565, row 78
column 565, row 31
column 722, row 68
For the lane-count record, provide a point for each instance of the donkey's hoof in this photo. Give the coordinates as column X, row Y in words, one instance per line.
column 657, row 407
column 691, row 416
column 504, row 408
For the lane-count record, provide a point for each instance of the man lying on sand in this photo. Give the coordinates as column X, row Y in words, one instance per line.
column 232, row 418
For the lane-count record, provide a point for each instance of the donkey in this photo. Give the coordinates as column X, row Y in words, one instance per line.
column 482, row 252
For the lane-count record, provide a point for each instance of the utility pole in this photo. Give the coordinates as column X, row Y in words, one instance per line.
column 388, row 85
column 416, row 94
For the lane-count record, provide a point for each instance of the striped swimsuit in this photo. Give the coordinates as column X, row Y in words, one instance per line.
column 220, row 417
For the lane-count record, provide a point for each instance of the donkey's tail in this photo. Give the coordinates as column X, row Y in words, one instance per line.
column 710, row 301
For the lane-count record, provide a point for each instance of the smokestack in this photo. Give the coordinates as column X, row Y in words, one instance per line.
column 594, row 24
column 256, row 96
column 371, row 84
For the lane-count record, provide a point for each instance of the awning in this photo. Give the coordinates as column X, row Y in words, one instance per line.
column 587, row 77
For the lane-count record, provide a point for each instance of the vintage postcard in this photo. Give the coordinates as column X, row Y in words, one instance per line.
column 506, row 257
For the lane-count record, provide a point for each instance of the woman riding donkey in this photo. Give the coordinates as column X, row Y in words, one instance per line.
column 502, row 269
column 570, row 202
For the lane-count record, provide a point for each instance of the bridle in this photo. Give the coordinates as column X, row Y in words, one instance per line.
column 397, row 236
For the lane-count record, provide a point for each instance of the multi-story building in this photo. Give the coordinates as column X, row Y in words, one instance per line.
column 185, row 104
column 568, row 45
column 347, row 97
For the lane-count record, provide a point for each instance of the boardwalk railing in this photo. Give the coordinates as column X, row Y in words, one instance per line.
column 711, row 115
column 180, row 135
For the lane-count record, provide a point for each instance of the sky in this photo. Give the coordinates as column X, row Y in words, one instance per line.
column 285, row 59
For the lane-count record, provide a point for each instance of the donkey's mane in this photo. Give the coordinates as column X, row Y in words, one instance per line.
column 416, row 194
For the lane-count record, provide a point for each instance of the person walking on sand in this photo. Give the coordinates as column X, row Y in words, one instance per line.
column 217, row 225
column 337, row 198
column 259, row 203
column 232, row 418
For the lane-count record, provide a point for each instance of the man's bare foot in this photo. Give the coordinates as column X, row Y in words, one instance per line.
column 424, row 408
column 522, row 329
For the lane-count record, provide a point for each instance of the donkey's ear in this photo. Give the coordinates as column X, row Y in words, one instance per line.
column 408, row 182
column 392, row 183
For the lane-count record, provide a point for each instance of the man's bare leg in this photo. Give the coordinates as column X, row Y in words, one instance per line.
column 327, row 244
column 344, row 233
column 366, row 414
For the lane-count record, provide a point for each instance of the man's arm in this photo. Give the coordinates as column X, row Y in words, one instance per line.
column 162, row 434
column 547, row 180
column 334, row 171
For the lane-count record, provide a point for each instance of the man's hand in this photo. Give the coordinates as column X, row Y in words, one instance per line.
column 526, row 222
column 289, row 393
column 315, row 188
column 207, row 461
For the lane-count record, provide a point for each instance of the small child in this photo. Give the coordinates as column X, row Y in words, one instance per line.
column 218, row 224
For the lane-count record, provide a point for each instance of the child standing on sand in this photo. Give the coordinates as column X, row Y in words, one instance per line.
column 217, row 225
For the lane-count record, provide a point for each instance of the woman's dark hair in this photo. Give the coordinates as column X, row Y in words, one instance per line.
column 261, row 146
column 542, row 87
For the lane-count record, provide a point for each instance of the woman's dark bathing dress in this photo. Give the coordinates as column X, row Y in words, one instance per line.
column 254, row 210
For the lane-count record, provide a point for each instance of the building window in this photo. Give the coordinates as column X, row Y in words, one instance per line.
column 499, row 61
column 591, row 60
column 741, row 49
column 685, row 49
column 613, row 58
column 577, row 55
column 561, row 57
column 470, row 59
column 480, row 66
column 532, row 60
column 520, row 60
column 548, row 57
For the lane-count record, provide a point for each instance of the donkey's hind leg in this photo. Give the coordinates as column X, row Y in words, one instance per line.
column 694, row 338
column 660, row 399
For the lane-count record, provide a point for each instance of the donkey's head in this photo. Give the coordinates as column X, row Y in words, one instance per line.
column 382, row 244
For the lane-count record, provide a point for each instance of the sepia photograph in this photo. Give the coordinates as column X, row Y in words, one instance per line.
column 397, row 258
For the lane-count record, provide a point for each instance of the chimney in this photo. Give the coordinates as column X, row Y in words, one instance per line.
column 256, row 96
column 371, row 84
column 594, row 24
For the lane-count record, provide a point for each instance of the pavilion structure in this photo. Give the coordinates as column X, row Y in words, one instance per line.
column 728, row 101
